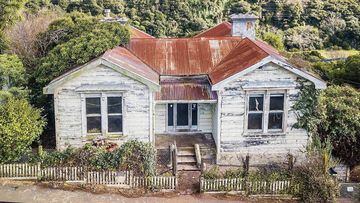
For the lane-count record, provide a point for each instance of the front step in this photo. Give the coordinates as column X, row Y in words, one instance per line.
column 186, row 159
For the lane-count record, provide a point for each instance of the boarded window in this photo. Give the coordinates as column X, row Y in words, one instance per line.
column 93, row 115
column 255, row 114
column 114, row 110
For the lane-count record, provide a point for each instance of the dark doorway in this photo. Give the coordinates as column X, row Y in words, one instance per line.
column 182, row 115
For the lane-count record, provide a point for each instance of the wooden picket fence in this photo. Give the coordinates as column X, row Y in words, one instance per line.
column 155, row 182
column 124, row 179
column 62, row 174
column 20, row 171
column 286, row 187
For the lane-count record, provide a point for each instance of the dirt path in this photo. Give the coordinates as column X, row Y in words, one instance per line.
column 37, row 194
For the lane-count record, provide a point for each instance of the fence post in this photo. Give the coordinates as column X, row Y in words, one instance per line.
column 38, row 170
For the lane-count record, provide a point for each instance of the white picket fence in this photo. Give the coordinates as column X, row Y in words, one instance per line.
column 155, row 182
column 249, row 187
column 20, row 171
column 78, row 174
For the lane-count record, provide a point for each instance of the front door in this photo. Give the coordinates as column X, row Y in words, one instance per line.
column 182, row 116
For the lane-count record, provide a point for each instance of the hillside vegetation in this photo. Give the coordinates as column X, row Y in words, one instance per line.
column 302, row 24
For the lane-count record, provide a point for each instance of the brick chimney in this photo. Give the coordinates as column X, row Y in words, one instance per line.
column 243, row 25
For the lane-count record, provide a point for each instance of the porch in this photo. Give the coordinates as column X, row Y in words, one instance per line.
column 205, row 140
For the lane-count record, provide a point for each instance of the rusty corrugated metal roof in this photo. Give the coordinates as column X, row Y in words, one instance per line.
column 125, row 59
column 244, row 55
column 220, row 30
column 185, row 88
column 136, row 33
column 184, row 56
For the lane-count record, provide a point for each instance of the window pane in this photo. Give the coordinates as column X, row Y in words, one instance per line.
column 255, row 121
column 93, row 105
column 114, row 104
column 276, row 102
column 94, row 124
column 194, row 110
column 114, row 123
column 275, row 120
column 256, row 103
column 170, row 114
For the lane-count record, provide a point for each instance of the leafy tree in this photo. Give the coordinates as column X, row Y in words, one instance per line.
column 12, row 80
column 274, row 40
column 20, row 125
column 9, row 12
column 342, row 71
column 334, row 116
column 82, row 39
column 303, row 37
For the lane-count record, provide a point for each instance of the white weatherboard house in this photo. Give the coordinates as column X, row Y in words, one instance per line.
column 221, row 82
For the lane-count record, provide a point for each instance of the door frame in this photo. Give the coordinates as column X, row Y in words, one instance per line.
column 175, row 127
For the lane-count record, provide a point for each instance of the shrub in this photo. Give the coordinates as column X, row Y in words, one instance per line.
column 212, row 173
column 316, row 184
column 20, row 125
column 137, row 156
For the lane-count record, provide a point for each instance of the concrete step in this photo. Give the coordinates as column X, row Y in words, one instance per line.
column 186, row 152
column 187, row 167
column 186, row 159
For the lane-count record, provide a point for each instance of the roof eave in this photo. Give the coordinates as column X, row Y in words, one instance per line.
column 54, row 84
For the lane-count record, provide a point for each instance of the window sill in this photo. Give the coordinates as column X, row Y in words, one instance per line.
column 112, row 136
column 269, row 133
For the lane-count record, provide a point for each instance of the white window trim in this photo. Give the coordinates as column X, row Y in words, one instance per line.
column 266, row 111
column 104, row 115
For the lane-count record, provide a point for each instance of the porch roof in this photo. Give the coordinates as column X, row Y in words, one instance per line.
column 185, row 89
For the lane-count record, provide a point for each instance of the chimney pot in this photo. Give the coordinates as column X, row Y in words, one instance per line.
column 243, row 25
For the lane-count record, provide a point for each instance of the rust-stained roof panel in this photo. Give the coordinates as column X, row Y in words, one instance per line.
column 175, row 89
column 244, row 55
column 186, row 56
column 136, row 33
column 220, row 30
column 125, row 59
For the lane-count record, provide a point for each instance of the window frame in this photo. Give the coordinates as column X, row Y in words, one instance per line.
column 266, row 110
column 104, row 113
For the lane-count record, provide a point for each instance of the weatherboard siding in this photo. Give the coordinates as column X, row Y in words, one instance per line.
column 236, row 143
column 68, row 102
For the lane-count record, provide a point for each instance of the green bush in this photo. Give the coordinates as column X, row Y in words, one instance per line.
column 20, row 125
column 212, row 173
column 134, row 155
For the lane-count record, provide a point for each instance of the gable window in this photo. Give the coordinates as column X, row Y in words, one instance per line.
column 103, row 114
column 265, row 112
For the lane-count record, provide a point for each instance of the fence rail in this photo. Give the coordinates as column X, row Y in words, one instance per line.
column 249, row 187
column 79, row 174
